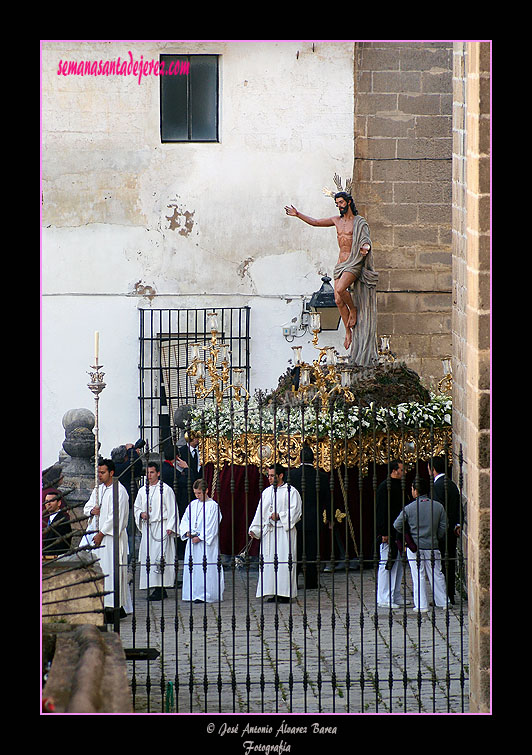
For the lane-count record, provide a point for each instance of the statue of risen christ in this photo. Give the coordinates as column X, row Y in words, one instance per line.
column 354, row 243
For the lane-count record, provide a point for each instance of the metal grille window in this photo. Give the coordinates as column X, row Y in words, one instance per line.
column 189, row 99
column 165, row 338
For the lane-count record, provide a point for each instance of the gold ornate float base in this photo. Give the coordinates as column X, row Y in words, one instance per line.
column 379, row 448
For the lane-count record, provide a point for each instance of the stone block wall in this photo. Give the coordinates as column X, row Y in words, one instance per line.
column 88, row 673
column 402, row 186
column 72, row 593
column 471, row 338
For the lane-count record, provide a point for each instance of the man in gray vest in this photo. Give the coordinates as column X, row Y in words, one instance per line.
column 427, row 523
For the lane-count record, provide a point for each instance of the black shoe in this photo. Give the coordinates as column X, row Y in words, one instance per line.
column 109, row 614
column 199, row 601
column 158, row 594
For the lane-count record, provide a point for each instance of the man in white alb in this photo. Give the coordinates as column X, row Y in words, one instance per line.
column 274, row 524
column 157, row 518
column 100, row 533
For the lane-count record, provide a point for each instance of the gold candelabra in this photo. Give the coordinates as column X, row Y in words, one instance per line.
column 384, row 351
column 332, row 376
column 446, row 383
column 199, row 368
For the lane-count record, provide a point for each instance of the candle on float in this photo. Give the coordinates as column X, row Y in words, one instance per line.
column 96, row 345
column 315, row 319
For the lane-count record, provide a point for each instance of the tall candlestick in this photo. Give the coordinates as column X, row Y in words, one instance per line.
column 96, row 345
column 96, row 385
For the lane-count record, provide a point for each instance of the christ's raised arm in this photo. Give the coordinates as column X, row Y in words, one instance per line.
column 321, row 223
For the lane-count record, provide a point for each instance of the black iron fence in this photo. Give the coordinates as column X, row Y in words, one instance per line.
column 328, row 608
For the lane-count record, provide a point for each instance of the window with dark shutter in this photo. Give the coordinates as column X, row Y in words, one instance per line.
column 189, row 98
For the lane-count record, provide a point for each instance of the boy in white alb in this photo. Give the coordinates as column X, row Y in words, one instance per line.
column 203, row 578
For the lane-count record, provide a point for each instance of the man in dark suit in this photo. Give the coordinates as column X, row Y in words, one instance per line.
column 190, row 454
column 58, row 530
column 192, row 470
column 446, row 492
column 188, row 463
column 304, row 479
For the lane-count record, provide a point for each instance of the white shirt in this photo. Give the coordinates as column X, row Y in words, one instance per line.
column 194, row 452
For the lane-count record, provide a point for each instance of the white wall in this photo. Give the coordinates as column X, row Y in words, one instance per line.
column 110, row 187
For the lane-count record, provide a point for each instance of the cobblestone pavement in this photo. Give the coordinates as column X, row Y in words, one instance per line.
column 329, row 651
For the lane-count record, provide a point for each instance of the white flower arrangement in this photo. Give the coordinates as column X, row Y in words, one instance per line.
column 228, row 422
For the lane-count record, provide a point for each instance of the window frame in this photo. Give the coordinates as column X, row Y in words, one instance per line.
column 177, row 328
column 215, row 139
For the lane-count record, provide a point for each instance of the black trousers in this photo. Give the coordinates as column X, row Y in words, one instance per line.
column 448, row 564
column 310, row 572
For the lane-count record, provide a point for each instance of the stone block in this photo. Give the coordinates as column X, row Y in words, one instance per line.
column 410, row 347
column 371, row 59
column 372, row 103
column 484, row 449
column 72, row 595
column 376, row 148
column 370, row 192
column 396, row 302
column 385, row 322
column 395, row 214
column 88, row 673
column 436, row 170
column 397, row 171
column 408, row 280
column 437, row 214
column 440, row 345
column 436, row 81
column 433, row 126
column 363, row 81
column 382, row 235
column 384, row 283
column 423, row 323
column 396, row 81
column 432, row 302
column 422, row 147
column 392, row 125
column 415, row 236
column 435, row 257
column 394, row 258
column 484, row 175
column 484, row 136
column 443, row 280
column 418, row 192
column 420, row 104
column 423, row 57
